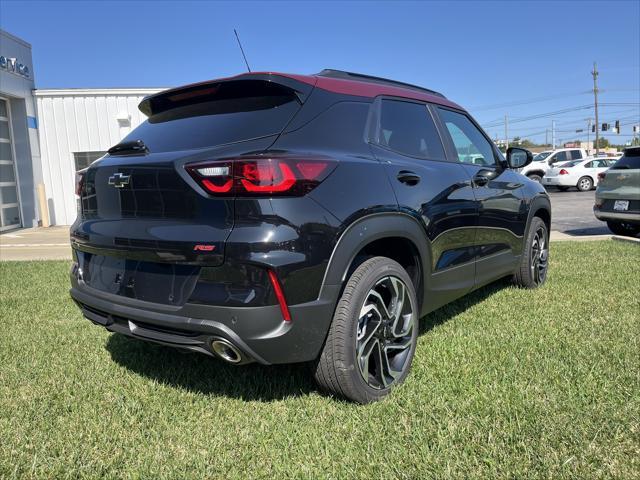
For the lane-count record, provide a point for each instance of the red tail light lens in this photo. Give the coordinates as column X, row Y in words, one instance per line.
column 563, row 172
column 261, row 176
column 601, row 175
column 80, row 181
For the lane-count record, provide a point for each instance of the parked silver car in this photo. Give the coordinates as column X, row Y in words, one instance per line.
column 618, row 195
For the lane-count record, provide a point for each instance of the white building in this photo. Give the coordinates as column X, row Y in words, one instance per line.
column 78, row 126
column 46, row 135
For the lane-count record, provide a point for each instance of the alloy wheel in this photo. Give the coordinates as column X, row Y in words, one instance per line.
column 385, row 334
column 539, row 256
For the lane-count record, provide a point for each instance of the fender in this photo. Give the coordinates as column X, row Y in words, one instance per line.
column 366, row 230
column 540, row 202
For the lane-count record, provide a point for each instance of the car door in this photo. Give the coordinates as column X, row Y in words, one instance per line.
column 502, row 210
column 433, row 190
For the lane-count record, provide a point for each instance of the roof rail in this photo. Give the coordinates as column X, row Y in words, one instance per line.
column 331, row 73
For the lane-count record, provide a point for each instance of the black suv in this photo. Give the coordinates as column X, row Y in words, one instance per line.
column 284, row 218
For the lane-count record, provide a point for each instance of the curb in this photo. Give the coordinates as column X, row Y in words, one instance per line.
column 620, row 238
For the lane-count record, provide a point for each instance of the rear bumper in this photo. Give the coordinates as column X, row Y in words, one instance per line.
column 558, row 181
column 259, row 332
column 629, row 217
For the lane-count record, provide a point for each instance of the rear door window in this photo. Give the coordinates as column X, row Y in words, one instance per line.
column 470, row 144
column 561, row 157
column 229, row 113
column 408, row 128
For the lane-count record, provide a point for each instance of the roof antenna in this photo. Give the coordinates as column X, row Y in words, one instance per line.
column 242, row 50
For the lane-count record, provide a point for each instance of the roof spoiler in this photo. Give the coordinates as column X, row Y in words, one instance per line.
column 207, row 91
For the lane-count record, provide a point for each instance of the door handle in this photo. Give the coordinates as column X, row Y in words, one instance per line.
column 409, row 178
column 484, row 176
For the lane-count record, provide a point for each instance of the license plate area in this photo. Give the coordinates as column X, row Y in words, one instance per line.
column 621, row 205
column 169, row 284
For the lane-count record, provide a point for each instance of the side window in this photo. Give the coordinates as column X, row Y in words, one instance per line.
column 576, row 154
column 561, row 157
column 470, row 144
column 589, row 165
column 408, row 128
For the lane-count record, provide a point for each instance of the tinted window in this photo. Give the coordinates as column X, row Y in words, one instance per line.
column 408, row 128
column 630, row 160
column 250, row 110
column 560, row 157
column 470, row 144
column 575, row 154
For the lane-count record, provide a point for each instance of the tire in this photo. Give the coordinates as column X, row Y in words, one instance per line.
column 584, row 184
column 534, row 263
column 535, row 177
column 623, row 228
column 360, row 325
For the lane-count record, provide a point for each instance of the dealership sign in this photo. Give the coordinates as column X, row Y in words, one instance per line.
column 13, row 66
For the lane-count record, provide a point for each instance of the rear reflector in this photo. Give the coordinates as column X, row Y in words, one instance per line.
column 277, row 288
column 261, row 176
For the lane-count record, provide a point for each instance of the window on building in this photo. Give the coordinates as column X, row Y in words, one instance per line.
column 408, row 128
column 84, row 159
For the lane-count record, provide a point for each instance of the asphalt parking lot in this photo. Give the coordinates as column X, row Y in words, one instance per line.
column 572, row 213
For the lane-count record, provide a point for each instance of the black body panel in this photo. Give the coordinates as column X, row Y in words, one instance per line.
column 159, row 258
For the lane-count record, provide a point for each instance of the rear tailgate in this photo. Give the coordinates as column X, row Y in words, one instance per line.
column 144, row 226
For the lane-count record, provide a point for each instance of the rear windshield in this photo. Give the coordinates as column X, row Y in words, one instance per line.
column 227, row 113
column 630, row 160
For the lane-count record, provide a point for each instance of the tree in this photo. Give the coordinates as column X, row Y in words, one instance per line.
column 602, row 143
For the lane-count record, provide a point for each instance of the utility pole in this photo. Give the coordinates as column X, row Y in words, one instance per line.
column 553, row 134
column 506, row 132
column 588, row 132
column 546, row 136
column 595, row 104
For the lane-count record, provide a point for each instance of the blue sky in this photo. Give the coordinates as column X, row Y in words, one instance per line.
column 479, row 54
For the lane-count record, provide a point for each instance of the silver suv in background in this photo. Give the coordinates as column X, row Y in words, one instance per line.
column 618, row 195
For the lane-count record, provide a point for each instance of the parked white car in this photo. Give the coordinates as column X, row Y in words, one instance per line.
column 582, row 174
column 544, row 161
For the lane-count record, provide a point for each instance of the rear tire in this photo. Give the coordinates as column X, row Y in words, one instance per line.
column 623, row 228
column 535, row 177
column 585, row 184
column 535, row 257
column 373, row 335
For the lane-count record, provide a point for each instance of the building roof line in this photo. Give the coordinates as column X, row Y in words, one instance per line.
column 62, row 92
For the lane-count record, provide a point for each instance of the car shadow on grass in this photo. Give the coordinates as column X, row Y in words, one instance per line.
column 253, row 382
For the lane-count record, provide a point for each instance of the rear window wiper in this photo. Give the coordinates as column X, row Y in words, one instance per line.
column 133, row 147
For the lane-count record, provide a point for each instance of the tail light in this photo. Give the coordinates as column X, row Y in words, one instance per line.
column 80, row 181
column 260, row 176
column 601, row 175
column 563, row 172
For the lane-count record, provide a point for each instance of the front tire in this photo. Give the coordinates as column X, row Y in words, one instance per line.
column 535, row 257
column 373, row 335
column 584, row 184
column 623, row 228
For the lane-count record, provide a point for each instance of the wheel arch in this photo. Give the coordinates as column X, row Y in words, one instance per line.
column 394, row 235
column 540, row 207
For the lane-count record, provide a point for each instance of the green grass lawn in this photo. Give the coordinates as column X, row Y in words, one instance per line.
column 505, row 383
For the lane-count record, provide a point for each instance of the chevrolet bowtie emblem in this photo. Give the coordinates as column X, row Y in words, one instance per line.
column 119, row 180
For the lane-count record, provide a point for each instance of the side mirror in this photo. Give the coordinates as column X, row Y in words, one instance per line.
column 518, row 157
